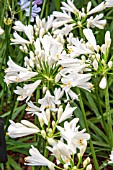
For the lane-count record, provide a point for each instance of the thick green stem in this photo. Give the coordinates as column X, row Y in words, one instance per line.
column 87, row 129
column 109, row 119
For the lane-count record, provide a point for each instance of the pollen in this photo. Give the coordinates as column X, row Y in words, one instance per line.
column 60, row 68
column 70, row 50
column 16, row 79
column 69, row 83
column 28, row 108
column 67, row 160
column 80, row 141
column 91, row 86
column 63, row 85
column 57, row 56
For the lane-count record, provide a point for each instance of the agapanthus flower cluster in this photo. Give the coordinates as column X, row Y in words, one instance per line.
column 57, row 63
column 25, row 5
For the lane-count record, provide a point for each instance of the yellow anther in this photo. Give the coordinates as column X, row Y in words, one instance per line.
column 57, row 56
column 69, row 83
column 80, row 141
column 70, row 50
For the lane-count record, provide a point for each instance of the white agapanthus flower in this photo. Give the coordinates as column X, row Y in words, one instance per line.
column 70, row 7
column 90, row 37
column 78, row 48
column 24, row 128
column 37, row 159
column 103, row 83
column 77, row 80
column 98, row 8
column 31, row 109
column 61, row 151
column 96, row 22
column 16, row 73
column 67, row 113
column 58, row 93
column 61, row 19
column 74, row 138
column 108, row 3
column 27, row 90
column 47, row 102
column 18, row 39
column 19, row 26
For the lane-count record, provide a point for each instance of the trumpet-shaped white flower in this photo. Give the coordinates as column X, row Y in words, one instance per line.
column 24, row 128
column 19, row 26
column 65, row 30
column 74, row 138
column 90, row 37
column 19, row 40
column 67, row 113
column 16, row 73
column 98, row 8
column 61, row 151
column 47, row 102
column 96, row 22
column 103, row 83
column 78, row 48
column 58, row 93
column 36, row 159
column 61, row 19
column 27, row 90
column 29, row 32
column 70, row 7
column 108, row 3
column 77, row 80
column 32, row 108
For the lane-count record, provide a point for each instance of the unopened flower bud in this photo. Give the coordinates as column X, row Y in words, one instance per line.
column 110, row 64
column 57, row 78
column 103, row 62
column 74, row 168
column 43, row 133
column 86, row 162
column 21, row 48
column 98, row 57
column 103, row 83
column 83, row 58
column 107, row 39
column 31, row 55
column 53, row 124
column 41, row 120
column 89, row 167
column 25, row 48
column 51, row 141
column 89, row 6
column 97, row 48
column 50, row 131
column 79, row 23
column 82, row 150
column 48, row 114
column 95, row 64
column 103, row 49
column 44, row 89
column 60, row 111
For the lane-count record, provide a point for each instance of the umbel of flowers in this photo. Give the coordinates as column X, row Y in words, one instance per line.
column 57, row 63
